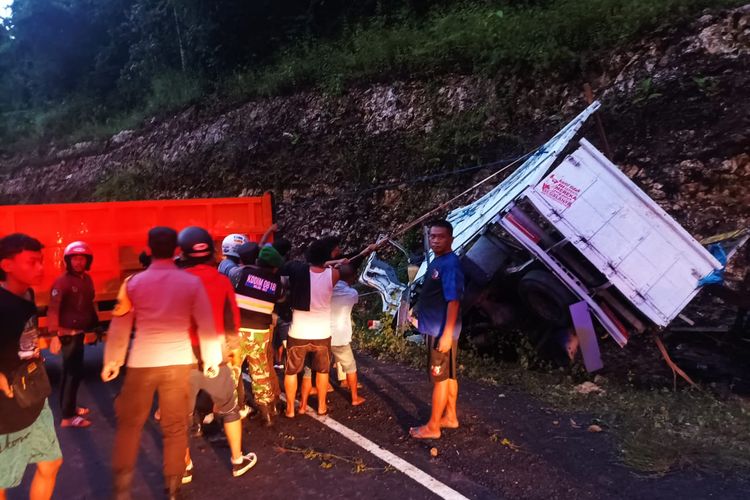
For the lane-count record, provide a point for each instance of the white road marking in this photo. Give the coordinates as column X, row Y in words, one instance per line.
column 429, row 482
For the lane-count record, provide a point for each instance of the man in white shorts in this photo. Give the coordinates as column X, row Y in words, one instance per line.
column 343, row 300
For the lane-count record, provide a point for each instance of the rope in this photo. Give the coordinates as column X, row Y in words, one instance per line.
column 407, row 182
column 676, row 370
column 423, row 178
column 442, row 206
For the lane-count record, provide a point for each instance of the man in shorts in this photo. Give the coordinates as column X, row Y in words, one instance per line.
column 310, row 333
column 27, row 433
column 343, row 300
column 197, row 257
column 439, row 319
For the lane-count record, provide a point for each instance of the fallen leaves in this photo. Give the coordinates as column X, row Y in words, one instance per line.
column 505, row 442
column 433, row 452
column 589, row 388
column 328, row 460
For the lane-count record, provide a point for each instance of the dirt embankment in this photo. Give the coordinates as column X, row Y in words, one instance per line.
column 676, row 111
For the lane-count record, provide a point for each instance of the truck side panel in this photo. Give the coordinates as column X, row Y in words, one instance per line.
column 641, row 250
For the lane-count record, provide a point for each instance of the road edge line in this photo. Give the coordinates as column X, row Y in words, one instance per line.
column 398, row 463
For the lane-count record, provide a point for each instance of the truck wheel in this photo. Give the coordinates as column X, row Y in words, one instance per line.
column 543, row 293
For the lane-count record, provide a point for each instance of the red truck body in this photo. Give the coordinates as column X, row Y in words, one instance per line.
column 116, row 232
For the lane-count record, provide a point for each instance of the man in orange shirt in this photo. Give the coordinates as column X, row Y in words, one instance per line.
column 197, row 258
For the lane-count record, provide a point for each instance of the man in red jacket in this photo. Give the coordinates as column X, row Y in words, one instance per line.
column 197, row 257
column 70, row 314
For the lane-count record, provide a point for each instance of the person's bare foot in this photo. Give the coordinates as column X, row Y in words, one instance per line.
column 424, row 432
column 357, row 401
column 447, row 423
column 289, row 413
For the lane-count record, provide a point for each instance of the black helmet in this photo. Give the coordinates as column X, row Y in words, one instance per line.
column 248, row 252
column 195, row 243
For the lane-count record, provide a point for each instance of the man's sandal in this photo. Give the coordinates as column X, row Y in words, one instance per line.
column 76, row 421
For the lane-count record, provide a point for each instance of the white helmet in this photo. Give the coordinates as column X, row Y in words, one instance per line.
column 231, row 243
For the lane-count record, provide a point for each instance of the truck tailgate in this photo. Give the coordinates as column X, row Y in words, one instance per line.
column 643, row 252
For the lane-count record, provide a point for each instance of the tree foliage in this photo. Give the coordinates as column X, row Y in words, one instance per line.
column 92, row 66
column 111, row 50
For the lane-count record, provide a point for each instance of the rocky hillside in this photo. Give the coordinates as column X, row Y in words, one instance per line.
column 676, row 110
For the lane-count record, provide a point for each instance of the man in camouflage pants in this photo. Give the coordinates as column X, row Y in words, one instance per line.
column 255, row 348
column 258, row 288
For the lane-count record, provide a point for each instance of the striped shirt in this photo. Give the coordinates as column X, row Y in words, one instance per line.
column 257, row 291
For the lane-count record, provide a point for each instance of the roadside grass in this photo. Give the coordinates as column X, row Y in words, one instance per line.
column 656, row 430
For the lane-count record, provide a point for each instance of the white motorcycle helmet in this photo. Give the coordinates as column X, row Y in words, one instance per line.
column 231, row 243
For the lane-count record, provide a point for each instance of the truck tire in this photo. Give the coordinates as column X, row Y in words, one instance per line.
column 543, row 293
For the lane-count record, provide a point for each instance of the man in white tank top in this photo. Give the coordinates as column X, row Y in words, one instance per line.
column 310, row 333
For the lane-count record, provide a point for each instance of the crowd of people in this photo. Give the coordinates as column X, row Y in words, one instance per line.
column 186, row 324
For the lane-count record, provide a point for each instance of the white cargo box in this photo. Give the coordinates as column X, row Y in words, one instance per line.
column 643, row 252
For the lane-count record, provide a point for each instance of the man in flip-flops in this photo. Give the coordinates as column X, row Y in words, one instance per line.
column 439, row 319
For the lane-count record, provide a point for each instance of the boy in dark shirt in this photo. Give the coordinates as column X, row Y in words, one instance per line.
column 27, row 434
column 439, row 319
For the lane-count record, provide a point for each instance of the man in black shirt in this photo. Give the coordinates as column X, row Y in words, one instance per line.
column 27, row 432
column 258, row 288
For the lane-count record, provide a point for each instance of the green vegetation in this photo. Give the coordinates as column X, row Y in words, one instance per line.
column 69, row 70
column 658, row 430
column 133, row 182
column 471, row 37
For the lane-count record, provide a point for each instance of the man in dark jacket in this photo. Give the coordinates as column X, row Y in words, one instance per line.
column 70, row 314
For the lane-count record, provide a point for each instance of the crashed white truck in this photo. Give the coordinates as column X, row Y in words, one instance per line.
column 574, row 238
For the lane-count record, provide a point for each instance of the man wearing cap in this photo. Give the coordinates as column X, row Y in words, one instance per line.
column 258, row 288
column 164, row 302
column 70, row 314
column 197, row 257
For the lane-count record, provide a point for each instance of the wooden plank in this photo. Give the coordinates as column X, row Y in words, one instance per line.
column 587, row 340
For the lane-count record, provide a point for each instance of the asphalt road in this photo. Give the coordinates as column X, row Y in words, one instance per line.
column 509, row 446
